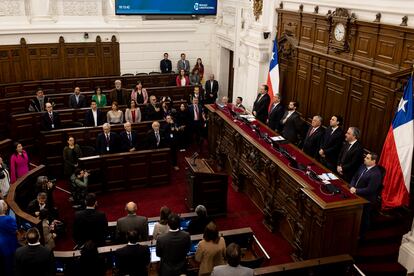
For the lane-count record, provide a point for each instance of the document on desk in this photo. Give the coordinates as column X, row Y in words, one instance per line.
column 328, row 176
column 249, row 117
column 277, row 138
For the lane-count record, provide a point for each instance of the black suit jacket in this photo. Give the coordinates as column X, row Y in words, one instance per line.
column 89, row 118
column 312, row 142
column 293, row 128
column 122, row 96
column 331, row 144
column 35, row 104
column 261, row 107
column 126, row 144
column 151, row 114
column 101, row 143
column 34, row 260
column 173, row 262
column 275, row 115
column 133, row 260
column 191, row 114
column 208, row 91
column 350, row 160
column 151, row 140
column 165, row 66
column 47, row 122
column 368, row 183
column 81, row 103
column 90, row 224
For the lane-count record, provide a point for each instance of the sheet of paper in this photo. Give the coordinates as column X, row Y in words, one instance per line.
column 332, row 176
column 277, row 138
column 323, row 176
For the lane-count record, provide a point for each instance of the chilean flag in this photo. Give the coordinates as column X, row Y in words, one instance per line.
column 273, row 75
column 397, row 153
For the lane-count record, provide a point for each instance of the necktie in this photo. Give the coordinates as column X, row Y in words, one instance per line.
column 77, row 99
column 51, row 117
column 349, row 146
column 129, row 138
column 359, row 178
column 333, row 130
column 184, row 65
column 195, row 113
column 157, row 136
column 312, row 131
column 107, row 139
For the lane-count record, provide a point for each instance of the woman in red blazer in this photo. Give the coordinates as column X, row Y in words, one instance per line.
column 182, row 79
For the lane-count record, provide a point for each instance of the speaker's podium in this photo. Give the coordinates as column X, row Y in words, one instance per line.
column 207, row 186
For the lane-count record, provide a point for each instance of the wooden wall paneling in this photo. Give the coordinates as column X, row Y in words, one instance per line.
column 321, row 36
column 357, row 102
column 70, row 61
column 116, row 168
column 5, row 70
column 138, row 163
column 307, row 31
column 364, row 44
column 335, row 95
column 302, row 82
column 316, row 89
column 389, row 48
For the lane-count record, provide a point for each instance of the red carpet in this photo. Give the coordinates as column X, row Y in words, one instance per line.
column 241, row 211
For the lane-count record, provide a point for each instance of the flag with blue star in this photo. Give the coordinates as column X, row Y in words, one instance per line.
column 273, row 75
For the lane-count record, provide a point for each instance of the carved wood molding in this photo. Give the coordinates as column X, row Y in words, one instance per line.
column 257, row 8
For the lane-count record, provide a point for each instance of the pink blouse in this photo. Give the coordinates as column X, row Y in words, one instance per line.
column 19, row 165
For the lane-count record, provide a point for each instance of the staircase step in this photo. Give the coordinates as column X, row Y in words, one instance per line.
column 377, row 253
column 379, row 269
column 385, row 235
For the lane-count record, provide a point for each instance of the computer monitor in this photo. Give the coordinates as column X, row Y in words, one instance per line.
column 193, row 248
column 184, row 223
column 151, row 225
column 154, row 257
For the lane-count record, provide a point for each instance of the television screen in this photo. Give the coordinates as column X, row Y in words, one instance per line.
column 166, row 7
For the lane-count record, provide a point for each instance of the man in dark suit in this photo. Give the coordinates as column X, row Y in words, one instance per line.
column 34, row 259
column 132, row 222
column 93, row 116
column 35, row 206
column 165, row 64
column 291, row 123
column 239, row 104
column 366, row 183
column 350, row 157
column 107, row 141
column 196, row 117
column 153, row 110
column 76, row 100
column 119, row 94
column 90, row 224
column 313, row 137
column 196, row 94
column 133, row 259
column 129, row 138
column 276, row 114
column 155, row 138
column 37, row 104
column 50, row 119
column 183, row 64
column 171, row 134
column 261, row 104
column 211, row 90
column 173, row 262
column 331, row 143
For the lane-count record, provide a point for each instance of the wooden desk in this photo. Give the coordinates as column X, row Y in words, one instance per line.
column 128, row 169
column 315, row 226
column 206, row 186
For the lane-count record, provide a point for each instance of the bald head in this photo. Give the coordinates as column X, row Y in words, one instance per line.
column 131, row 207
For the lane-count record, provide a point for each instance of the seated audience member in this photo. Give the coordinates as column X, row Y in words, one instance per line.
column 171, row 131
column 133, row 259
column 211, row 250
column 182, row 121
column 94, row 116
column 196, row 116
column 292, row 124
column 8, row 240
column 261, row 104
column 233, row 267
column 34, row 258
column 90, row 261
column 133, row 113
column 313, row 137
column 79, row 185
column 351, row 155
column 129, row 138
column 365, row 183
column 99, row 98
column 38, row 204
column 195, row 77
column 44, row 185
column 276, row 113
column 139, row 94
column 155, row 138
column 199, row 223
column 50, row 119
column 165, row 64
column 161, row 227
column 196, row 94
column 224, row 101
column 200, row 67
column 132, row 222
column 115, row 116
column 90, row 224
column 107, row 141
column 46, row 230
column 71, row 154
column 211, row 90
column 331, row 143
column 119, row 94
column 183, row 64
column 4, row 179
column 239, row 104
column 166, row 108
column 153, row 110
column 19, row 162
column 172, row 248
column 77, row 100
column 182, row 79
column 37, row 104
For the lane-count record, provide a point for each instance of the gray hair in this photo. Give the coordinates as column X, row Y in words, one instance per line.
column 356, row 132
column 201, row 211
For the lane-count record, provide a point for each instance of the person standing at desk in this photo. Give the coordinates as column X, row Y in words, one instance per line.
column 165, row 64
column 19, row 163
column 350, row 157
column 261, row 104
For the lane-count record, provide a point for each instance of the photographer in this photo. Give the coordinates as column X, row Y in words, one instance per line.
column 44, row 185
column 171, row 131
column 4, row 179
column 79, row 184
